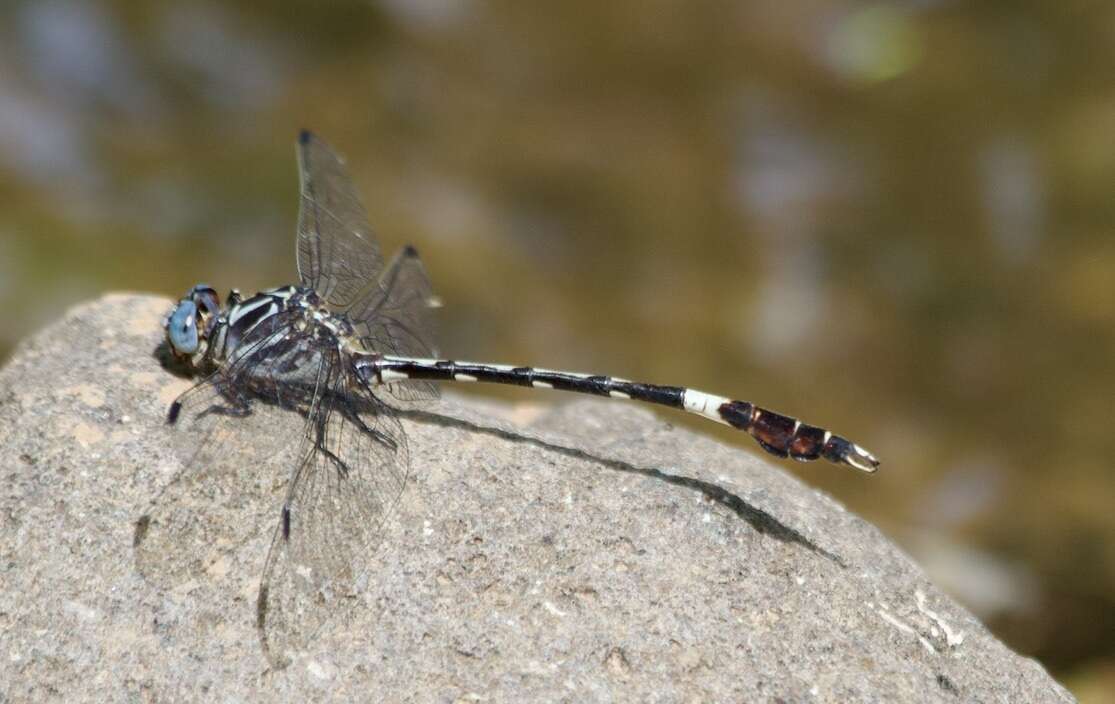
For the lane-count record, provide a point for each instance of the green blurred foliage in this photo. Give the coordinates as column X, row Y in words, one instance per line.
column 893, row 219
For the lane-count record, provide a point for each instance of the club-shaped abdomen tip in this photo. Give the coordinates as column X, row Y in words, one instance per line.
column 843, row 451
column 863, row 460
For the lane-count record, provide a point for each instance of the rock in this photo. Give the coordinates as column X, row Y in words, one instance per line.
column 588, row 551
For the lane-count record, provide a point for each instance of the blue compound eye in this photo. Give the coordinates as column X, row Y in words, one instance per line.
column 181, row 328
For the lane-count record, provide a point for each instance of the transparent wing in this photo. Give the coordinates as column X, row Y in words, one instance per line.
column 338, row 257
column 397, row 315
column 353, row 467
column 337, row 253
column 233, row 431
column 397, row 318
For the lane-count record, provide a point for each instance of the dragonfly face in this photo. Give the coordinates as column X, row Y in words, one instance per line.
column 188, row 326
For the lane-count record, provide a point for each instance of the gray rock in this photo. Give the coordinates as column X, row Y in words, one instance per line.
column 588, row 551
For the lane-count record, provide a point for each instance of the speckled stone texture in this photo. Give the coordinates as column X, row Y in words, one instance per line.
column 585, row 551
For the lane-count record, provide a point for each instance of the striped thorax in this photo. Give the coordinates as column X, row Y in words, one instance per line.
column 208, row 336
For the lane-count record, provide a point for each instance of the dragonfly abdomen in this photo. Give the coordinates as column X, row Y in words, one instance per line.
column 778, row 434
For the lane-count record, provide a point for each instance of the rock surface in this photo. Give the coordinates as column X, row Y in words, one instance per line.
column 587, row 551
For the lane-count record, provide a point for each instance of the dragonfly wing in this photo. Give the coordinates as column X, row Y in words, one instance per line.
column 337, row 252
column 353, row 467
column 185, row 530
column 397, row 318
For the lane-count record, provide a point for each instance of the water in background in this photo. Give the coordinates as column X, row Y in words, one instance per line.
column 895, row 219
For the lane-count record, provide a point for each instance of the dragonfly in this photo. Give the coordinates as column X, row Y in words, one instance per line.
column 341, row 354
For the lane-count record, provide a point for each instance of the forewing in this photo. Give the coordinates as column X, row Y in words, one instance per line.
column 199, row 515
column 353, row 467
column 337, row 253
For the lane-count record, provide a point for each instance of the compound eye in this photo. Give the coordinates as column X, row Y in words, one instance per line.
column 181, row 328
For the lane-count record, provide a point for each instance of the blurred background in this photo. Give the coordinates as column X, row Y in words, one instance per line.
column 894, row 219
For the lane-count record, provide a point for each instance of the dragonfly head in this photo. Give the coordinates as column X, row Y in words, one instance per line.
column 189, row 324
